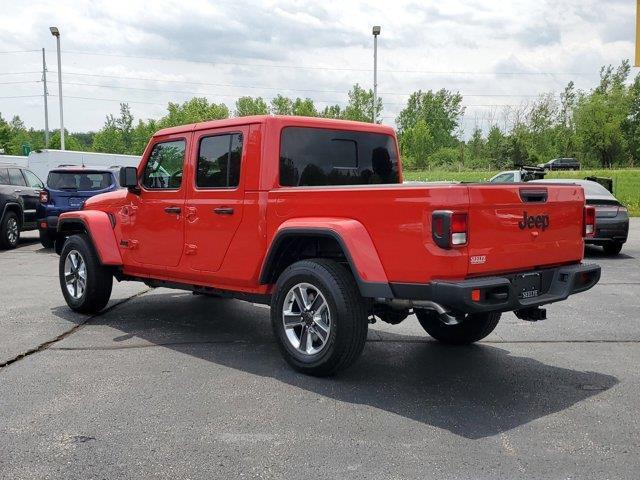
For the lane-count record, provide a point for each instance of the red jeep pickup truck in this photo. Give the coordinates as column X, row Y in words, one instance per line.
column 310, row 216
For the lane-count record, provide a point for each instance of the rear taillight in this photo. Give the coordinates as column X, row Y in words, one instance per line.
column 449, row 229
column 44, row 196
column 589, row 222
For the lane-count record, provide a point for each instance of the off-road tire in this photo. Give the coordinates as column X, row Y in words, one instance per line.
column 348, row 311
column 473, row 328
column 612, row 248
column 7, row 223
column 99, row 278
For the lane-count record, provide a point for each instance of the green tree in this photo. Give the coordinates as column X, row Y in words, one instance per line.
column 195, row 110
column 246, row 106
column 304, row 108
column 416, row 145
column 601, row 116
column 281, row 105
column 441, row 111
column 331, row 111
column 109, row 138
column 70, row 142
column 360, row 105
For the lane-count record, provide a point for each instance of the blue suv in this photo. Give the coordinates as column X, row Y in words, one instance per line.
column 67, row 188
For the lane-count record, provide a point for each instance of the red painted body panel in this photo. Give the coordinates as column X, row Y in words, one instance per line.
column 386, row 228
column 101, row 232
column 355, row 238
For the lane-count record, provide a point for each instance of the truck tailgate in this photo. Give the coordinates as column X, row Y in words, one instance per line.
column 521, row 227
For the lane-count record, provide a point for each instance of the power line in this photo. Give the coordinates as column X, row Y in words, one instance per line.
column 22, row 96
column 230, row 85
column 324, row 67
column 19, row 73
column 18, row 51
column 20, row 81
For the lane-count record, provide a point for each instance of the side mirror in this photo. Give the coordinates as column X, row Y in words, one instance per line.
column 129, row 178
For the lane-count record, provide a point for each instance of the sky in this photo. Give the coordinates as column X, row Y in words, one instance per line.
column 497, row 54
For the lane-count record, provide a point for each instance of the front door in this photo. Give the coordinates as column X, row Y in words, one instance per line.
column 215, row 205
column 153, row 226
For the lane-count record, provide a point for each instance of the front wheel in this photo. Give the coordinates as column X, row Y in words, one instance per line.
column 474, row 327
column 319, row 318
column 86, row 283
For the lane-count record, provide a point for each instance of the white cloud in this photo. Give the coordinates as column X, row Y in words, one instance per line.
column 237, row 38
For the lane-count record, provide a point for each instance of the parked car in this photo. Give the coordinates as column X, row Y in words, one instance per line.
column 309, row 215
column 524, row 174
column 68, row 187
column 561, row 164
column 19, row 190
column 612, row 217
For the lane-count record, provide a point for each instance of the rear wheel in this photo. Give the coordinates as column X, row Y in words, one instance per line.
column 474, row 327
column 318, row 316
column 46, row 240
column 10, row 231
column 86, row 284
column 612, row 248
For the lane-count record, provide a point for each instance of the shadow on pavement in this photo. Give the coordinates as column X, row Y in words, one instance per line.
column 475, row 391
column 592, row 251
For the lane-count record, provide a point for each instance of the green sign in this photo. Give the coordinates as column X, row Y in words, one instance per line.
column 26, row 148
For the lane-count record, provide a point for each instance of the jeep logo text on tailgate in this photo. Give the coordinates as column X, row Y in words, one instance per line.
column 531, row 221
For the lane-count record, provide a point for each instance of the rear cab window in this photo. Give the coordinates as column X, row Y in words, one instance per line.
column 79, row 181
column 325, row 157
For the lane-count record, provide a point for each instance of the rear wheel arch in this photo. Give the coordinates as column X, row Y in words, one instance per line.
column 295, row 244
column 15, row 208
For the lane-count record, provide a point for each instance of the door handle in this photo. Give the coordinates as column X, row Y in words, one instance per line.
column 173, row 210
column 223, row 211
column 17, row 190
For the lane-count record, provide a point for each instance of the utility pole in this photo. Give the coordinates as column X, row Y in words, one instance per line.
column 376, row 32
column 56, row 33
column 46, row 107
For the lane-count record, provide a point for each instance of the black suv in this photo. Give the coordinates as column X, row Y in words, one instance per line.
column 561, row 164
column 19, row 194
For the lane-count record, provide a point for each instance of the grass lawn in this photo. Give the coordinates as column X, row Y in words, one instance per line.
column 626, row 183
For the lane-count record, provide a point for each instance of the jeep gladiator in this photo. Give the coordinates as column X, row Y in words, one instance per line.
column 310, row 216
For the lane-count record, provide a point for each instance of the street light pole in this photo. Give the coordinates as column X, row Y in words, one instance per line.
column 46, row 107
column 376, row 32
column 56, row 33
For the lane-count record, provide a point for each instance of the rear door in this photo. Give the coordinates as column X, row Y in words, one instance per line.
column 514, row 228
column 22, row 190
column 214, row 206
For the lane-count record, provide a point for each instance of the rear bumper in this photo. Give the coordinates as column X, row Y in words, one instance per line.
column 610, row 229
column 499, row 293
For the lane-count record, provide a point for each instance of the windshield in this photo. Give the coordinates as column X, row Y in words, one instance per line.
column 79, row 181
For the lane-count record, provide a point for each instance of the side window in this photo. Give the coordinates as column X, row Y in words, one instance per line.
column 32, row 179
column 4, row 176
column 504, row 178
column 164, row 167
column 16, row 178
column 219, row 161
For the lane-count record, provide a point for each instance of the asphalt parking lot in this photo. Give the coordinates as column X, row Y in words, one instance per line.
column 165, row 384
